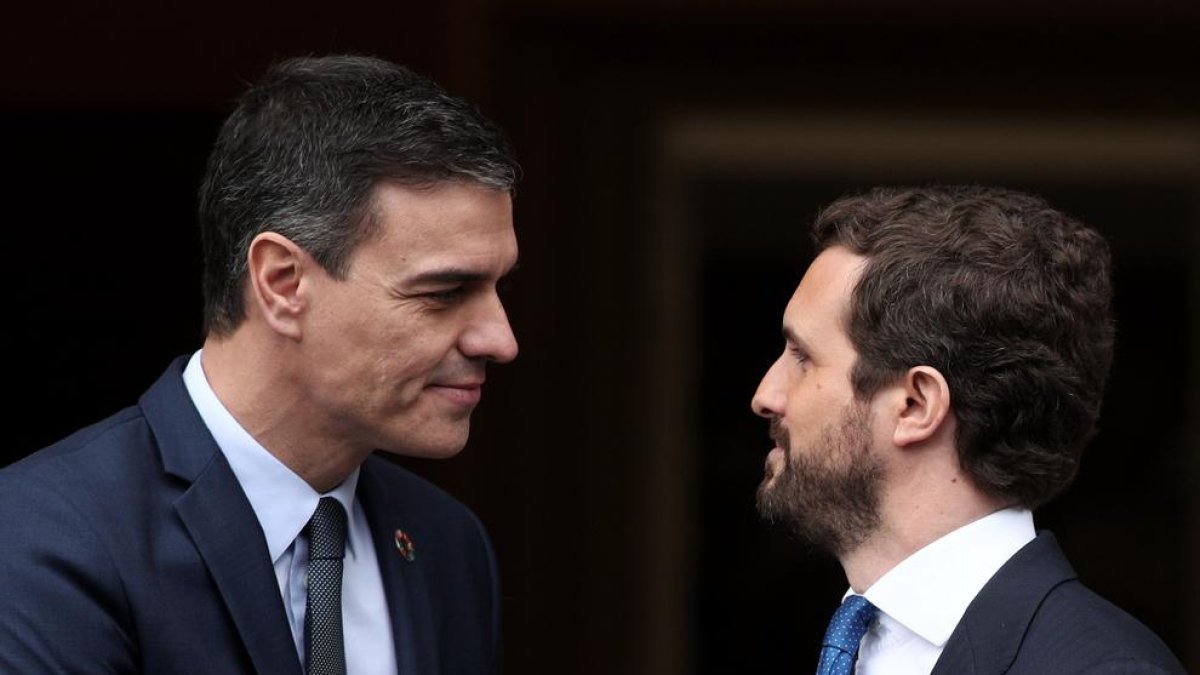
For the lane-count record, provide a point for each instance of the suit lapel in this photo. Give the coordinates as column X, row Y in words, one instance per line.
column 403, row 581
column 222, row 524
column 987, row 639
column 226, row 532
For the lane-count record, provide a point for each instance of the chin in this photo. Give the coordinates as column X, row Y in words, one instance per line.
column 427, row 448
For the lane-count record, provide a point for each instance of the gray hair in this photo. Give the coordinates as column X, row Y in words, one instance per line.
column 303, row 151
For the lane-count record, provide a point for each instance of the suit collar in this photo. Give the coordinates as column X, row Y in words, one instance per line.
column 403, row 580
column 987, row 639
column 283, row 502
column 929, row 591
column 184, row 443
column 222, row 525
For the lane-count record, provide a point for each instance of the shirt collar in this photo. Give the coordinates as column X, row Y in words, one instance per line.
column 282, row 501
column 929, row 591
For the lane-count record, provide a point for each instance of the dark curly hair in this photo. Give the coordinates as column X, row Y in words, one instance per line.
column 1008, row 298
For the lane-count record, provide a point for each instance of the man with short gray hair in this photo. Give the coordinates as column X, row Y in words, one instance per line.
column 356, row 220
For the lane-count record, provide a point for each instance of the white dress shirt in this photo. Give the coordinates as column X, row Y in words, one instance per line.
column 283, row 503
column 922, row 599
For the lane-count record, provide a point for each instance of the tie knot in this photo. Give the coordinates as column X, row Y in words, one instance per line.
column 327, row 531
column 849, row 624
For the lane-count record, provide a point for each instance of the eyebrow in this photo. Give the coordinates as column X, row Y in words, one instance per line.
column 455, row 275
column 449, row 276
column 790, row 336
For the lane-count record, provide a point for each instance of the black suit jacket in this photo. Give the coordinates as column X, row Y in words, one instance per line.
column 1034, row 617
column 130, row 547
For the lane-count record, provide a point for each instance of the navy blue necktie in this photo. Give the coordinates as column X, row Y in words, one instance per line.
column 846, row 629
column 323, row 614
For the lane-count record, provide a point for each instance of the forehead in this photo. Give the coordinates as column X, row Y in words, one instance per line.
column 443, row 224
column 822, row 300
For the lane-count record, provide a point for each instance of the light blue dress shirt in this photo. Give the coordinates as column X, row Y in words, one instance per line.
column 283, row 503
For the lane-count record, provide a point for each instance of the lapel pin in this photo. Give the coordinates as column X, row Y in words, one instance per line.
column 405, row 546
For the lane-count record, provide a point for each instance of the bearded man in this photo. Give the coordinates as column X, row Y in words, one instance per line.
column 945, row 359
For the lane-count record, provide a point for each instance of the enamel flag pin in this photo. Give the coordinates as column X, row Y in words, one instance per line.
column 405, row 546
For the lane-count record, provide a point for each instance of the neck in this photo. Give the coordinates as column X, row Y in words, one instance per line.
column 251, row 379
column 916, row 513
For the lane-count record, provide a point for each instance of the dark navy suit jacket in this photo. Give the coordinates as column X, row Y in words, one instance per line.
column 129, row 547
column 1034, row 617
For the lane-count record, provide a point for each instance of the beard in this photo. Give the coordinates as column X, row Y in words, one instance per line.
column 827, row 493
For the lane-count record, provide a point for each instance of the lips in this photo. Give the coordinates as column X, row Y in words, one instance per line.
column 459, row 385
column 464, row 393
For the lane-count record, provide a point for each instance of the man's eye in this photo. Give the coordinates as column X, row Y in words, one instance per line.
column 798, row 355
column 447, row 295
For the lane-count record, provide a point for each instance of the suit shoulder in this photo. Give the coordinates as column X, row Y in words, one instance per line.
column 1073, row 619
column 83, row 445
column 87, row 482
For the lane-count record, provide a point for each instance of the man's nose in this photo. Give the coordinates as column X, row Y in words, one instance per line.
column 491, row 337
column 768, row 398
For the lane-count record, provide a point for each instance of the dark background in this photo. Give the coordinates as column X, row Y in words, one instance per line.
column 615, row 462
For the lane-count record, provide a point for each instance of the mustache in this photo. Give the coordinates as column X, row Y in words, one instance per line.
column 779, row 434
column 468, row 371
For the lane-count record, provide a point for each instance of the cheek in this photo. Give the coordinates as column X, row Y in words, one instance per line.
column 808, row 407
column 402, row 364
column 406, row 385
column 812, row 406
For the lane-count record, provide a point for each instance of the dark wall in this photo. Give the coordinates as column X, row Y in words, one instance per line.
column 107, row 113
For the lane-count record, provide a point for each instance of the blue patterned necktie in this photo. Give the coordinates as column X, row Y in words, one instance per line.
column 846, row 629
column 323, row 613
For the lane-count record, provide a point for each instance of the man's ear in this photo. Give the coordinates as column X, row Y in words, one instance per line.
column 276, row 266
column 926, row 406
